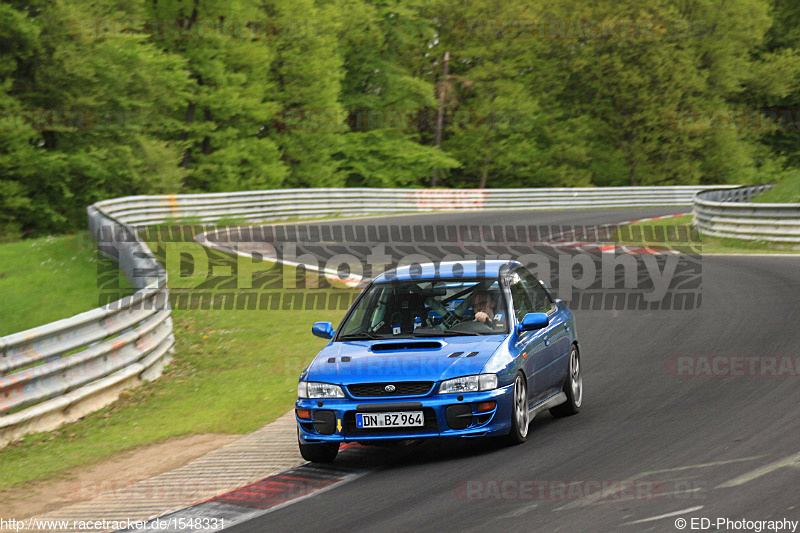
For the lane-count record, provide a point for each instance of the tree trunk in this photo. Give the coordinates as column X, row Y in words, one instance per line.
column 440, row 116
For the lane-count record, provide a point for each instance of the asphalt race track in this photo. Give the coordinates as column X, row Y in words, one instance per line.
column 661, row 431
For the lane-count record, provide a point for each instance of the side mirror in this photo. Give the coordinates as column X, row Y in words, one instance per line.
column 533, row 321
column 323, row 329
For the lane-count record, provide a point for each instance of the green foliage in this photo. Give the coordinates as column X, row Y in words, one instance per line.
column 101, row 98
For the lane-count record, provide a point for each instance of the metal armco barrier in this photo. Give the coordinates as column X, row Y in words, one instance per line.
column 729, row 213
column 290, row 203
column 61, row 371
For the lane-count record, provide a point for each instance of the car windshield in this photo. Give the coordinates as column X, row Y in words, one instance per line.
column 427, row 308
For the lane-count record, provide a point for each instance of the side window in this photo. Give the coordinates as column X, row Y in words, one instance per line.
column 541, row 302
column 519, row 295
column 527, row 294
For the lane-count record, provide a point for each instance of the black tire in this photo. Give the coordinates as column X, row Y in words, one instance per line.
column 520, row 417
column 319, row 453
column 573, row 387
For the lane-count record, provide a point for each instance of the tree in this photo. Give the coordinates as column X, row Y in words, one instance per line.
column 227, row 50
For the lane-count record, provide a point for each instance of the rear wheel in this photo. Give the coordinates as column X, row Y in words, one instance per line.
column 324, row 452
column 573, row 387
column 520, row 418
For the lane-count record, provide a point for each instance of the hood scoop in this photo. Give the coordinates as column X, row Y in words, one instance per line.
column 405, row 346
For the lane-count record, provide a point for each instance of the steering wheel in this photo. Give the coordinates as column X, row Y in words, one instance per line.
column 451, row 320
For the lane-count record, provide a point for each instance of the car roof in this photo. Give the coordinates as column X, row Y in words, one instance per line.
column 448, row 270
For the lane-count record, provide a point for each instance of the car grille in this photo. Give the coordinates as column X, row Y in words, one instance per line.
column 402, row 388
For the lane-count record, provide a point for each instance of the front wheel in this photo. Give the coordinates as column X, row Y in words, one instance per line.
column 573, row 387
column 520, row 417
column 324, row 452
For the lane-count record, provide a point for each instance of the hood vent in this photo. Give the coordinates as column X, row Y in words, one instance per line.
column 403, row 346
column 455, row 354
column 471, row 354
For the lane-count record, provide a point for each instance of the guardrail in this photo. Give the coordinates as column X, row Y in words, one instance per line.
column 60, row 371
column 290, row 203
column 729, row 213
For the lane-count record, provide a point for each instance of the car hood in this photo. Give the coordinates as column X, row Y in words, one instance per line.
column 416, row 359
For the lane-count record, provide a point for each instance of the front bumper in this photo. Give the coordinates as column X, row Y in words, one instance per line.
column 334, row 420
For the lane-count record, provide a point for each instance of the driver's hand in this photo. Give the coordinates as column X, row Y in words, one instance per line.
column 480, row 316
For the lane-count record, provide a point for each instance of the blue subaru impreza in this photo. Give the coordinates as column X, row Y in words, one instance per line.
column 451, row 349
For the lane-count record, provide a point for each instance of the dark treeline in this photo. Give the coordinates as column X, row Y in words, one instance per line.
column 105, row 98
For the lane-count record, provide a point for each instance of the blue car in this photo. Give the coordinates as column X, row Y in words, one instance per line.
column 451, row 349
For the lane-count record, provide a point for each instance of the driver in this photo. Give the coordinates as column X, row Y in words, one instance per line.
column 483, row 307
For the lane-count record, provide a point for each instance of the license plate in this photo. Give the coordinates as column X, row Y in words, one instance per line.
column 403, row 419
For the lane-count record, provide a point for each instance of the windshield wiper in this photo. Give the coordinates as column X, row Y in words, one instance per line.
column 360, row 336
column 443, row 333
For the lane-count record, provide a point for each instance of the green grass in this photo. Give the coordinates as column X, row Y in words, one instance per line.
column 50, row 278
column 786, row 191
column 657, row 233
column 233, row 372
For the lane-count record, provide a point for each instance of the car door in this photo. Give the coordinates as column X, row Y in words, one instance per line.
column 536, row 347
column 557, row 336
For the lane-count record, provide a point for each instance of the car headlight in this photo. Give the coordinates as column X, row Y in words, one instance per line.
column 469, row 384
column 312, row 389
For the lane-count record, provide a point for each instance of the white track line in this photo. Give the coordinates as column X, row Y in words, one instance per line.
column 659, row 517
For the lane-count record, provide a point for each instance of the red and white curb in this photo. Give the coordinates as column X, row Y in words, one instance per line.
column 257, row 499
column 572, row 239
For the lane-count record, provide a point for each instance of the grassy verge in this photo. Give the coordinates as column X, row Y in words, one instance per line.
column 678, row 234
column 234, row 371
column 47, row 279
column 787, row 191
